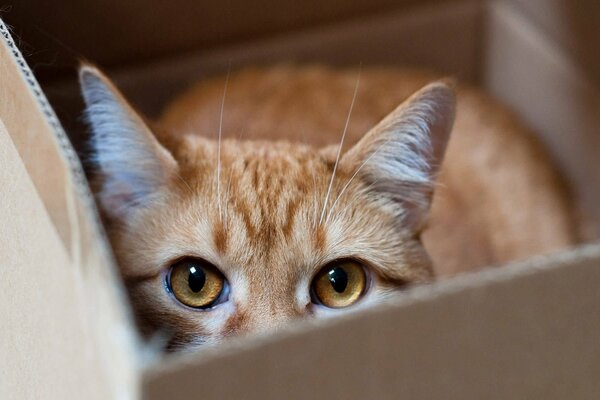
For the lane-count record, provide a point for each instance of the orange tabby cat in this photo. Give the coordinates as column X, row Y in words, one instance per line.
column 241, row 211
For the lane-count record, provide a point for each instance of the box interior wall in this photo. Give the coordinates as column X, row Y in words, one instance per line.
column 522, row 55
column 501, row 45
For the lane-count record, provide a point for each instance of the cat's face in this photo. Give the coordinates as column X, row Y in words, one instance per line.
column 214, row 241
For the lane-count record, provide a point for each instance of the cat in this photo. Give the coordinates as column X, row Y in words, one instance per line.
column 284, row 192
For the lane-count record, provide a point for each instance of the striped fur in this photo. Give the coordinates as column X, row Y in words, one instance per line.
column 245, row 179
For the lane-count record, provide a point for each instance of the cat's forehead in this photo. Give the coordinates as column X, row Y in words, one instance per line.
column 261, row 164
column 269, row 199
column 268, row 208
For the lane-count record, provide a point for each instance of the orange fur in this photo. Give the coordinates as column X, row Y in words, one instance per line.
column 497, row 198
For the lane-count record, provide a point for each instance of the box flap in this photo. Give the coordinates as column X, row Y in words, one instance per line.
column 527, row 331
column 64, row 333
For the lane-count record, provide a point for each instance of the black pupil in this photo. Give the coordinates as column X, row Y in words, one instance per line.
column 196, row 278
column 338, row 279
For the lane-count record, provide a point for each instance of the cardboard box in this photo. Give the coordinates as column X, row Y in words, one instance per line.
column 528, row 330
column 64, row 331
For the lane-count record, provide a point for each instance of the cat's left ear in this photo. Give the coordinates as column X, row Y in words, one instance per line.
column 400, row 157
column 133, row 165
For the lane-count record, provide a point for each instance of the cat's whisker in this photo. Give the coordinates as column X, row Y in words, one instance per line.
column 352, row 178
column 337, row 159
column 355, row 198
column 227, row 197
column 315, row 201
column 219, row 143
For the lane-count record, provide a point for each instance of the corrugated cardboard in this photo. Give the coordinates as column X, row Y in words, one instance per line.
column 517, row 332
column 528, row 331
column 65, row 331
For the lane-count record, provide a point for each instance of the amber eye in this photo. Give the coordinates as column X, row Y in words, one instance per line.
column 339, row 284
column 196, row 283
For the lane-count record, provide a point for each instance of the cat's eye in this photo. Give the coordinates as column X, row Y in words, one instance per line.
column 339, row 284
column 196, row 283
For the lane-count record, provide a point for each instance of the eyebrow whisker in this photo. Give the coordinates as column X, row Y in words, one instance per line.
column 352, row 178
column 219, row 143
column 337, row 159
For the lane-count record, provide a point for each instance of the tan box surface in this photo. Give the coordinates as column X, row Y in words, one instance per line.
column 523, row 331
column 64, row 330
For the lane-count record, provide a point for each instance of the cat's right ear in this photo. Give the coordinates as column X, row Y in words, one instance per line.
column 401, row 156
column 133, row 165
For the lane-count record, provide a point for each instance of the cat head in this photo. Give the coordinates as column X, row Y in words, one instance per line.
column 215, row 239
